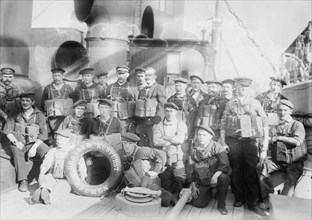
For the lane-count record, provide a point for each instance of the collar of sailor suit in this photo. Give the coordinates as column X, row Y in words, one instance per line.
column 169, row 123
column 150, row 85
column 287, row 120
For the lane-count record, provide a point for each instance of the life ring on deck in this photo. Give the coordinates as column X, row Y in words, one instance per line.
column 80, row 186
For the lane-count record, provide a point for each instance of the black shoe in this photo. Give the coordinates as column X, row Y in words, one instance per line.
column 36, row 196
column 238, row 203
column 223, row 211
column 23, row 186
column 258, row 211
column 45, row 196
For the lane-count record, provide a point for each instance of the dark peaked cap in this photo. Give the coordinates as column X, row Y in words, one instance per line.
column 130, row 137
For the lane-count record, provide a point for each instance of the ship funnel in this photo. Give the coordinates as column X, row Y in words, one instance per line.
column 158, row 24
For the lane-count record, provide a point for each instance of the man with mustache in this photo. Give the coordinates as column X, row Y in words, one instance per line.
column 56, row 90
column 8, row 94
column 27, row 133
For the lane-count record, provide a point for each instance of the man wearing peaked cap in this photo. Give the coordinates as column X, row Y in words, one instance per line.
column 123, row 93
column 181, row 80
column 290, row 134
column 130, row 137
column 29, row 143
column 7, row 71
column 102, row 78
column 287, row 103
column 140, row 75
column 243, row 81
column 8, row 94
column 195, row 92
column 143, row 161
column 219, row 170
column 213, row 88
column 215, row 106
column 122, row 68
column 57, row 70
column 52, row 180
column 27, row 95
column 171, row 105
column 88, row 91
column 186, row 104
column 157, row 93
column 105, row 123
column 76, row 121
column 58, row 89
column 270, row 99
column 244, row 146
column 105, row 102
column 229, row 81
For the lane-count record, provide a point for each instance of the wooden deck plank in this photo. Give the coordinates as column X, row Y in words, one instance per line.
column 162, row 213
column 194, row 213
column 167, row 213
column 185, row 211
column 206, row 212
column 215, row 214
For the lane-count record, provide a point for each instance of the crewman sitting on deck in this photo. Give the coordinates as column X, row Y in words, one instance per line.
column 288, row 152
column 52, row 181
column 208, row 167
column 142, row 166
column 27, row 133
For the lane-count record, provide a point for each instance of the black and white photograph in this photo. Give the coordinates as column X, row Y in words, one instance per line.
column 156, row 109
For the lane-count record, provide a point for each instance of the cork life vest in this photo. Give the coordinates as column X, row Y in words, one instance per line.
column 26, row 132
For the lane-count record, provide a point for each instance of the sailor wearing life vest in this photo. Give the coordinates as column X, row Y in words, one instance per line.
column 186, row 104
column 57, row 90
column 9, row 92
column 155, row 95
column 210, row 111
column 27, row 132
column 243, row 122
column 170, row 135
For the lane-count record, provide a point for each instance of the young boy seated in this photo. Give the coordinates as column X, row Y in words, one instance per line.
column 52, row 181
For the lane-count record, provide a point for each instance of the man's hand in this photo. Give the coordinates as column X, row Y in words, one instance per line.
column 195, row 191
column 19, row 145
column 275, row 138
column 32, row 152
column 214, row 179
column 262, row 157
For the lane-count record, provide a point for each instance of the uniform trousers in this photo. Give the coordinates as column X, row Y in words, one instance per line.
column 205, row 193
column 21, row 159
column 243, row 157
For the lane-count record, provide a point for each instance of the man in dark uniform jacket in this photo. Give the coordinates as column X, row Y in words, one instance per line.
column 121, row 92
column 217, row 104
column 243, row 150
column 186, row 104
column 102, row 78
column 87, row 90
column 196, row 93
column 208, row 167
column 56, row 90
column 270, row 99
column 26, row 144
column 158, row 93
column 9, row 92
column 105, row 123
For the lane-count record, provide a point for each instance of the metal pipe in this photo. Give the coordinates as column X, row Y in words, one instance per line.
column 185, row 196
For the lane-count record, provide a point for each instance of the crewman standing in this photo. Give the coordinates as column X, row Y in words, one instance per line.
column 57, row 90
column 102, row 78
column 123, row 95
column 243, row 122
column 155, row 93
column 196, row 93
column 210, row 111
column 9, row 92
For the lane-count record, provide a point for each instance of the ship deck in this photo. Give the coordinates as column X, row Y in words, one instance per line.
column 17, row 205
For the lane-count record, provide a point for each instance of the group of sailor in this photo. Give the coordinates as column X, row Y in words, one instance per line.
column 194, row 139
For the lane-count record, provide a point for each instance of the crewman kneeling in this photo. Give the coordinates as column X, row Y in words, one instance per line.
column 208, row 167
column 52, row 181
column 142, row 166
